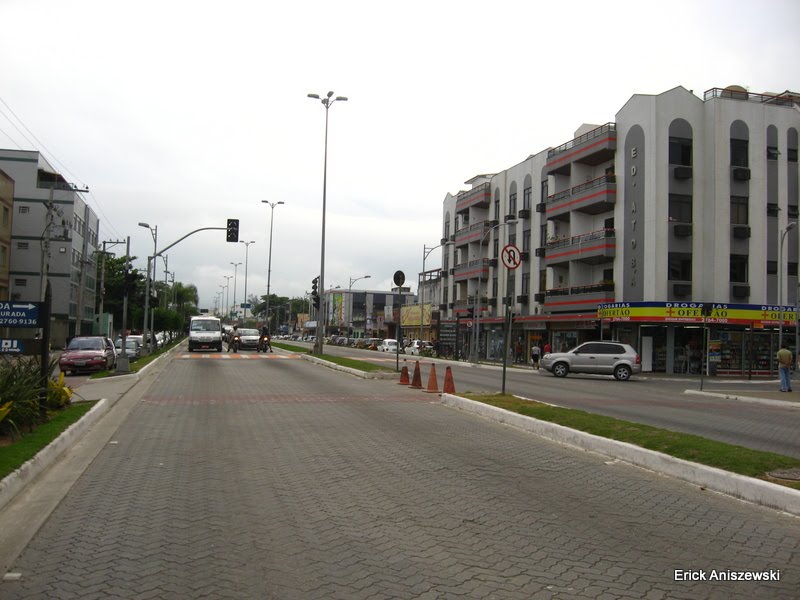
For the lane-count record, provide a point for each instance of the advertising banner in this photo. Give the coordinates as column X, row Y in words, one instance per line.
column 756, row 315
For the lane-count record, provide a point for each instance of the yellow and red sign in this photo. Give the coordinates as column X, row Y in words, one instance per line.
column 757, row 315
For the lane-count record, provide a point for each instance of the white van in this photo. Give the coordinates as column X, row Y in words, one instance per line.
column 205, row 332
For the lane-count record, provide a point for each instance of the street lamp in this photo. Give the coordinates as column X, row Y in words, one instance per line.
column 425, row 253
column 272, row 206
column 477, row 305
column 227, row 279
column 235, row 272
column 327, row 102
column 246, row 259
column 350, row 299
column 154, row 233
column 786, row 230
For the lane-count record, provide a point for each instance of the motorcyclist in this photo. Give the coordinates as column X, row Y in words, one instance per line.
column 234, row 334
column 262, row 340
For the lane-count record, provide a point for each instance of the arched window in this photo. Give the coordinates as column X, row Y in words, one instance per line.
column 740, row 136
column 680, row 143
column 512, row 199
column 772, row 143
column 527, row 188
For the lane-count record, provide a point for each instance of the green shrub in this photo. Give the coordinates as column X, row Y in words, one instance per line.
column 21, row 385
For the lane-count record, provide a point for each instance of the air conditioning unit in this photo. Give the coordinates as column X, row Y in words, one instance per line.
column 443, row 241
column 539, row 298
column 492, row 262
column 683, row 172
column 682, row 230
column 443, row 307
column 741, row 174
column 539, row 252
column 540, row 208
column 452, row 271
column 682, row 289
column 522, row 299
column 511, row 217
column 525, row 213
column 741, row 232
column 741, row 291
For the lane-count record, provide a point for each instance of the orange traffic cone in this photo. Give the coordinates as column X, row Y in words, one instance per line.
column 449, row 386
column 433, row 386
column 416, row 382
column 404, row 376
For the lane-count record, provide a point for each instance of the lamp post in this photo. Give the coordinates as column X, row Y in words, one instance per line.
column 327, row 102
column 227, row 279
column 425, row 253
column 235, row 276
column 477, row 304
column 350, row 298
column 150, row 259
column 246, row 259
column 787, row 229
column 272, row 206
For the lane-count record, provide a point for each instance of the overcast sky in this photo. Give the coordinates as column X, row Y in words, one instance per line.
column 185, row 113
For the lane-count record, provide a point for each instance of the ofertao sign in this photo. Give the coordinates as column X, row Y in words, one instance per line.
column 511, row 256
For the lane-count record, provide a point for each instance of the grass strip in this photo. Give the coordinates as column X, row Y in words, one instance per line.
column 351, row 363
column 729, row 457
column 13, row 456
column 138, row 364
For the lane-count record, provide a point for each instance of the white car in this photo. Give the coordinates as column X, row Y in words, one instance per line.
column 388, row 345
column 418, row 345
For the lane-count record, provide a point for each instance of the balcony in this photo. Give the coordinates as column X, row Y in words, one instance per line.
column 591, row 248
column 592, row 148
column 474, row 233
column 593, row 197
column 743, row 95
column 579, row 298
column 478, row 197
column 471, row 270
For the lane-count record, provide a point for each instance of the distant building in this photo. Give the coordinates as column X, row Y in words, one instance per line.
column 681, row 201
column 54, row 238
column 362, row 313
column 7, row 209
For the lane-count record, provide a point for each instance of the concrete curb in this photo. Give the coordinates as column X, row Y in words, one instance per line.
column 350, row 371
column 14, row 482
column 741, row 487
column 753, row 400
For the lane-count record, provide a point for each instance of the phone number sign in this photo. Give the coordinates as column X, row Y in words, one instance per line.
column 20, row 314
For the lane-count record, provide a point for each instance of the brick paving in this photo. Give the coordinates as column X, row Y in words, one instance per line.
column 282, row 479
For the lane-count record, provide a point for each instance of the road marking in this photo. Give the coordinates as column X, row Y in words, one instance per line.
column 236, row 356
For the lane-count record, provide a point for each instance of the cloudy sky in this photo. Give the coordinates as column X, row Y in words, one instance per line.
column 185, row 113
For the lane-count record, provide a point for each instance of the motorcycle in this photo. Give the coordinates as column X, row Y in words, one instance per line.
column 233, row 345
column 264, row 344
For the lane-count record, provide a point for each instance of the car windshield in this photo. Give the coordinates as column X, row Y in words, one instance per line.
column 248, row 332
column 86, row 344
column 207, row 325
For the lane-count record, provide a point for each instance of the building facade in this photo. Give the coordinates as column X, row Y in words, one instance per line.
column 6, row 220
column 629, row 228
column 54, row 238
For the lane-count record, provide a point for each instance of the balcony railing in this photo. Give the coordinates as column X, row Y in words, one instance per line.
column 478, row 196
column 594, row 183
column 594, row 133
column 581, row 239
column 746, row 96
column 592, row 288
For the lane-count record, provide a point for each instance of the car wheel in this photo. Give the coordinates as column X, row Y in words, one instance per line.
column 560, row 369
column 622, row 373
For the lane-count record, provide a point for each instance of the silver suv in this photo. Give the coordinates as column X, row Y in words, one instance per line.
column 602, row 358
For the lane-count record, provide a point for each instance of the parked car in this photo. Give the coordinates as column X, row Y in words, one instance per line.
column 248, row 339
column 388, row 345
column 133, row 349
column 417, row 346
column 88, row 353
column 602, row 358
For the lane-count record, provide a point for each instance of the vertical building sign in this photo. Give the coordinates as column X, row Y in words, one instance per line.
column 634, row 216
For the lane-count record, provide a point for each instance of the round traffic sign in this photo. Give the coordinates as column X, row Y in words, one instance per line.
column 399, row 278
column 511, row 256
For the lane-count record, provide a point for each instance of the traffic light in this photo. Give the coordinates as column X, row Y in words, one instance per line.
column 315, row 292
column 233, row 230
column 131, row 277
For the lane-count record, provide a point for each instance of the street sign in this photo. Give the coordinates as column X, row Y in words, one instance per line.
column 21, row 347
column 244, row 305
column 20, row 314
column 511, row 256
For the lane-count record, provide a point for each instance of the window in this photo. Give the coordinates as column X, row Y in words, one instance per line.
column 791, row 271
column 497, row 209
column 680, row 151
column 6, row 216
column 543, row 234
column 526, row 283
column 793, row 212
column 22, row 245
column 526, row 240
column 680, row 208
column 20, row 283
column 772, row 153
column 739, row 154
column 739, row 210
column 494, row 287
column 512, row 204
column 738, row 268
column 3, row 257
column 496, row 248
column 526, row 198
column 542, row 280
column 791, row 154
column 23, row 210
column 772, row 267
column 447, row 228
column 772, row 210
column 512, row 239
column 680, row 266
column 608, row 274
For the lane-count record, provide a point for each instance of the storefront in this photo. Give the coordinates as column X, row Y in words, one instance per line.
column 676, row 337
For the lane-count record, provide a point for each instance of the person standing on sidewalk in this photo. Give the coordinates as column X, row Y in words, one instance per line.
column 784, row 357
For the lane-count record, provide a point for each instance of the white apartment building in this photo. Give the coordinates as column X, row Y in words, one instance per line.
column 54, row 237
column 681, row 201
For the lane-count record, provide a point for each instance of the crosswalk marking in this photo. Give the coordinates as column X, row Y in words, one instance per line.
column 236, row 356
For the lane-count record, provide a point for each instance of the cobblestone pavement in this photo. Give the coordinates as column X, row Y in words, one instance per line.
column 281, row 479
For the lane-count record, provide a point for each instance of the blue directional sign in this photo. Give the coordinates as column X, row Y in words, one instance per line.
column 20, row 314
column 10, row 346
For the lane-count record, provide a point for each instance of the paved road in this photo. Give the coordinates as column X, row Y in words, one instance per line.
column 276, row 478
column 652, row 399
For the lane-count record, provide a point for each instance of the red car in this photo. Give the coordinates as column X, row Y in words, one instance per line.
column 88, row 353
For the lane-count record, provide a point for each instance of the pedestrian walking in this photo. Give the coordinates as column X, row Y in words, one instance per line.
column 547, row 348
column 535, row 353
column 784, row 357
